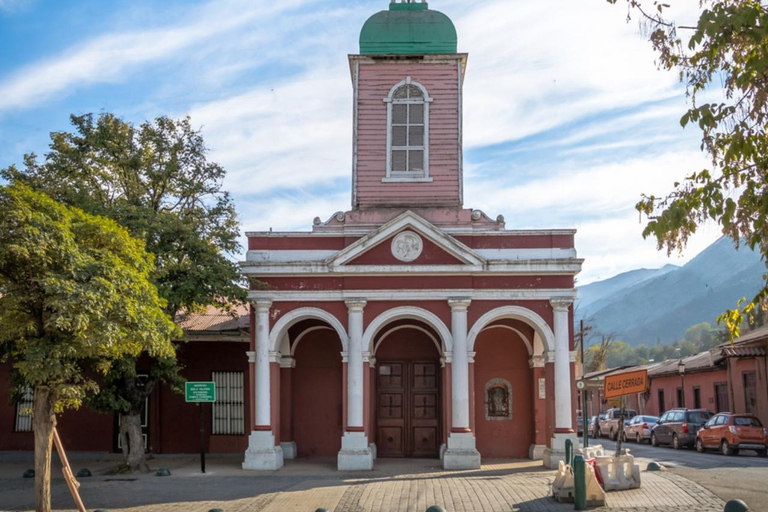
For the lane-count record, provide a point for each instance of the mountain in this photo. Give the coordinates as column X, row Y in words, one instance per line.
column 664, row 305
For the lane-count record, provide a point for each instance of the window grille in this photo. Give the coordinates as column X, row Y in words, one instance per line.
column 24, row 407
column 229, row 408
column 408, row 131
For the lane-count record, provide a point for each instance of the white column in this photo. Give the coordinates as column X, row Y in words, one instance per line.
column 459, row 366
column 262, row 379
column 262, row 454
column 460, row 451
column 356, row 453
column 355, row 364
column 563, row 382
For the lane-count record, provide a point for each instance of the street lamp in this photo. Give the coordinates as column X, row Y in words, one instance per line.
column 681, row 370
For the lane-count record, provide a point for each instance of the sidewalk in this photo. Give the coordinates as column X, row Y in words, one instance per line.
column 396, row 485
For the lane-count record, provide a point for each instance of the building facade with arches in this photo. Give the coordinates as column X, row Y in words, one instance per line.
column 410, row 326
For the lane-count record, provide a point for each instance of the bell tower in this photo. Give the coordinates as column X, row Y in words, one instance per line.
column 407, row 140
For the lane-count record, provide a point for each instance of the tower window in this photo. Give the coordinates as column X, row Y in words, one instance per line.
column 408, row 132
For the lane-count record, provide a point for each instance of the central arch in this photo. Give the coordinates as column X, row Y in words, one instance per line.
column 409, row 313
column 539, row 325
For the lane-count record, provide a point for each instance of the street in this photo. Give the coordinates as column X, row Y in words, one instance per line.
column 741, row 477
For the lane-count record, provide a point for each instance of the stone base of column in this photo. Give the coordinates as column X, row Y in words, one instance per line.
column 536, row 451
column 355, row 453
column 262, row 454
column 460, row 452
column 443, row 447
column 289, row 450
column 374, row 450
column 556, row 453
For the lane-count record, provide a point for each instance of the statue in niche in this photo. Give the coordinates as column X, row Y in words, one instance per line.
column 498, row 400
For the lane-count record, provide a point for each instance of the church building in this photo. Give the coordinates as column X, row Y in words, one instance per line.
column 409, row 325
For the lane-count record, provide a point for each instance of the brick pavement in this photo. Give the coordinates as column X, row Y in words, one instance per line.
column 394, row 486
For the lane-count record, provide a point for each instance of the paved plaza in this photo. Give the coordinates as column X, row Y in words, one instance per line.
column 396, row 485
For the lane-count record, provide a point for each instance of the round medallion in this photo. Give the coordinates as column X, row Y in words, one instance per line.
column 407, row 246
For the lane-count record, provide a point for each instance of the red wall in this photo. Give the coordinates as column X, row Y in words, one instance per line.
column 500, row 353
column 317, row 394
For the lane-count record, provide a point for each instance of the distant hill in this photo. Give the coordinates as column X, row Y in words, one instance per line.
column 643, row 306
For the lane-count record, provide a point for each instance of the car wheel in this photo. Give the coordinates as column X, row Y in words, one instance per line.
column 726, row 449
column 762, row 453
column 638, row 439
column 699, row 446
column 654, row 441
column 675, row 442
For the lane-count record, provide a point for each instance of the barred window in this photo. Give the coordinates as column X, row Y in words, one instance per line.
column 229, row 407
column 408, row 132
column 24, row 406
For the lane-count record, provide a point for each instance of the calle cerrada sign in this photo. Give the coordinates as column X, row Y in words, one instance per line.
column 628, row 383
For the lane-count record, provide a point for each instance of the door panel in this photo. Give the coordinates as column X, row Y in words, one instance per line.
column 408, row 409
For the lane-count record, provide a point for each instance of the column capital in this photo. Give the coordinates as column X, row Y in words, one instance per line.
column 274, row 357
column 287, row 362
column 251, row 356
column 459, row 303
column 560, row 304
column 536, row 361
column 262, row 305
column 355, row 304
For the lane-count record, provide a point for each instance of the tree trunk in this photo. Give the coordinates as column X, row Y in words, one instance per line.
column 43, row 421
column 133, row 443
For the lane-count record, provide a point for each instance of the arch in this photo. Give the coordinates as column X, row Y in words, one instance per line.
column 412, row 313
column 290, row 318
column 408, row 149
column 408, row 81
column 540, row 326
column 527, row 342
column 408, row 326
column 307, row 331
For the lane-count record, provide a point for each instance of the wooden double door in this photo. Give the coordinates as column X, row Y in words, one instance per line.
column 408, row 409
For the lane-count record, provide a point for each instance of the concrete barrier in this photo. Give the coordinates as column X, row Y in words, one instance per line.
column 590, row 452
column 563, row 487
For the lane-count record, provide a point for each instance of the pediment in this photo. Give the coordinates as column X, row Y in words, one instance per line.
column 404, row 241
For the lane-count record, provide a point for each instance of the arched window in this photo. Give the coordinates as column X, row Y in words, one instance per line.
column 408, row 132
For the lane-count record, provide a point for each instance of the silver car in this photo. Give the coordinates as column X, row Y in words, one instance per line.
column 639, row 428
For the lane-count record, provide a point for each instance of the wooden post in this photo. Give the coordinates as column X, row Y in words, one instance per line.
column 66, row 470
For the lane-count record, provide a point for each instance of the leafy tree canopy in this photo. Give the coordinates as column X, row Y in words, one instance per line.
column 724, row 54
column 74, row 289
column 155, row 180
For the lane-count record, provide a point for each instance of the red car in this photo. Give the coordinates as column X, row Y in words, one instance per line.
column 730, row 433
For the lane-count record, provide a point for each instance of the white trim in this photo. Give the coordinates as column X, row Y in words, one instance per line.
column 407, row 220
column 494, row 256
column 290, row 318
column 460, row 101
column 406, row 180
column 395, row 295
column 527, row 342
column 409, row 326
column 390, row 100
column 519, row 267
column 412, row 313
column 360, row 230
column 518, row 313
column 289, row 255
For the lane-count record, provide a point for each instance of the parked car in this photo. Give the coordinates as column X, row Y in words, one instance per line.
column 733, row 432
column 594, row 426
column 609, row 425
column 678, row 427
column 639, row 428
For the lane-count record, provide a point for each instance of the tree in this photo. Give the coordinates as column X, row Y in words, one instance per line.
column 596, row 356
column 727, row 49
column 74, row 293
column 155, row 180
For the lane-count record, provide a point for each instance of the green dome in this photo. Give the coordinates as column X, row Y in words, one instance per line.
column 407, row 29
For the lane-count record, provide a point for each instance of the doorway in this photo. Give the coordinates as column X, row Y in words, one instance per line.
column 407, row 406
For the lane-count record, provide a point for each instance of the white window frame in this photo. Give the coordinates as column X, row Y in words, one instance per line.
column 407, row 176
column 228, row 412
column 22, row 421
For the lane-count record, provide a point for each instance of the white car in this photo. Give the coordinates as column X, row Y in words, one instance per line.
column 639, row 428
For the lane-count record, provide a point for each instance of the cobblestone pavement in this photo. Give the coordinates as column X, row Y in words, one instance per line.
column 394, row 486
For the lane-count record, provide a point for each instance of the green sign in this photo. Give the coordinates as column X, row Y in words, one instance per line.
column 200, row 392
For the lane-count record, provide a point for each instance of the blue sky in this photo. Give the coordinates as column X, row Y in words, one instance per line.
column 566, row 122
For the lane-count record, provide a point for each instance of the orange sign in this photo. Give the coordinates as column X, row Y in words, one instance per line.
column 625, row 383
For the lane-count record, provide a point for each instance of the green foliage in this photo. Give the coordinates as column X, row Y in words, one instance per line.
column 156, row 181
column 74, row 291
column 726, row 50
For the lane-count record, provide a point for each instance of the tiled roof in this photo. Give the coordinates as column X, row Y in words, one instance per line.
column 737, row 351
column 702, row 361
column 214, row 320
column 756, row 334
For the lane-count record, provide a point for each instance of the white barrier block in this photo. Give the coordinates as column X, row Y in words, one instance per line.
column 562, row 486
column 619, row 473
column 595, row 493
column 590, row 452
